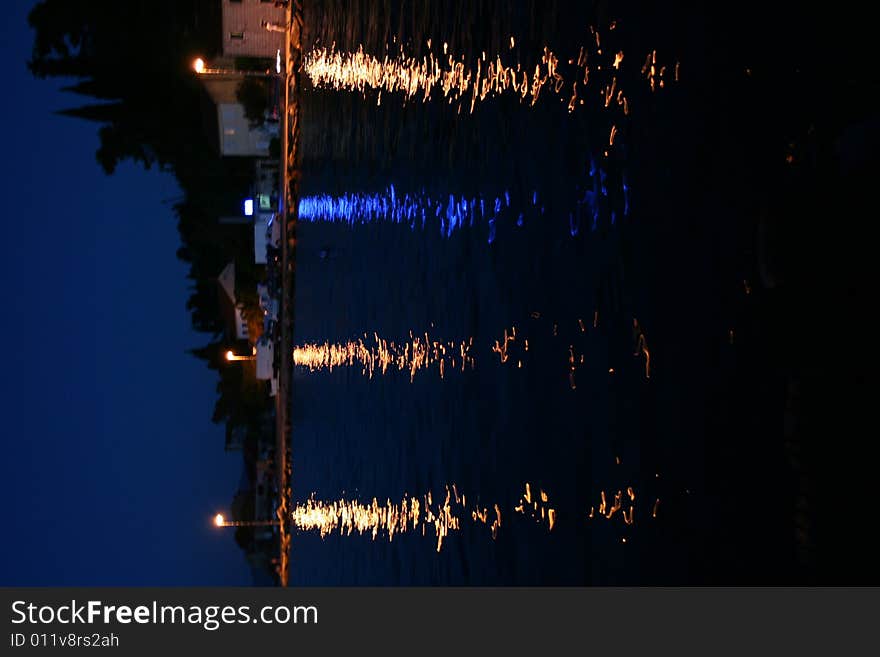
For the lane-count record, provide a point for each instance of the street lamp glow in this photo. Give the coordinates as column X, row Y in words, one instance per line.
column 199, row 65
column 231, row 357
column 221, row 521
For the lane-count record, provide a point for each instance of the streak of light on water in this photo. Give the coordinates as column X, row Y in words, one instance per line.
column 376, row 355
column 442, row 516
column 464, row 84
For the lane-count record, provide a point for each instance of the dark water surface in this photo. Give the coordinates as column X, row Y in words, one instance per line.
column 707, row 434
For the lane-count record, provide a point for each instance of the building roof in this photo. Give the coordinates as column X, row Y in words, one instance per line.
column 227, row 281
column 236, row 327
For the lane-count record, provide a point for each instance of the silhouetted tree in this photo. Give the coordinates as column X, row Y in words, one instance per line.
column 253, row 94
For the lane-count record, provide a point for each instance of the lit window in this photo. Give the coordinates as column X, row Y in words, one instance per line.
column 236, row 36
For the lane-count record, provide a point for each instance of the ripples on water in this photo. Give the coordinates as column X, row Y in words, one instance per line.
column 464, row 83
column 423, row 515
column 594, row 68
column 373, row 354
column 543, row 143
column 377, row 355
column 452, row 213
column 415, row 210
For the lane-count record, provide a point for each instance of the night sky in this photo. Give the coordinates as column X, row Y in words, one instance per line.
column 111, row 468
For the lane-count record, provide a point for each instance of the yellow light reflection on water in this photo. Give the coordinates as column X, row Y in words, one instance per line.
column 537, row 508
column 422, row 515
column 421, row 77
column 465, row 83
column 373, row 354
column 377, row 355
column 347, row 517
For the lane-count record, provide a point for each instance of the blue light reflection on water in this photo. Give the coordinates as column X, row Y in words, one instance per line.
column 453, row 212
column 412, row 209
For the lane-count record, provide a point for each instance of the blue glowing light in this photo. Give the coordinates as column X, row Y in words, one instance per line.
column 249, row 207
column 413, row 210
column 451, row 212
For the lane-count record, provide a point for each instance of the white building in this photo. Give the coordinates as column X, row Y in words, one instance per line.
column 236, row 135
column 265, row 359
column 244, row 32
